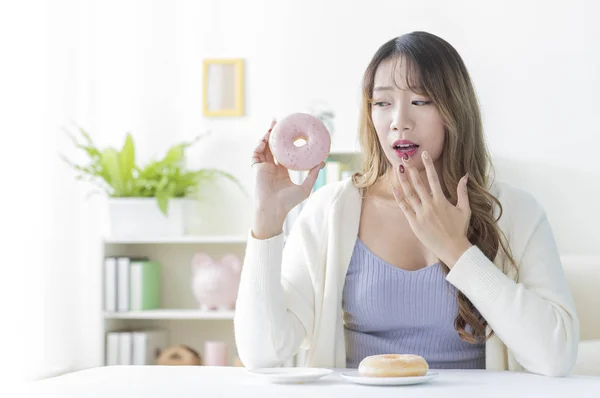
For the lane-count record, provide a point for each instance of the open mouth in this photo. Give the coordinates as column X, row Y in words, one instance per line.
column 406, row 147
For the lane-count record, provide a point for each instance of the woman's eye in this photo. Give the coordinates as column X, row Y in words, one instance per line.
column 381, row 103
column 421, row 103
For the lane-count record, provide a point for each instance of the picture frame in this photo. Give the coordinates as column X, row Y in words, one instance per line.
column 223, row 87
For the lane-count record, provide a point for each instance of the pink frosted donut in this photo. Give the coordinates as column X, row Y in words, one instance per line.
column 300, row 126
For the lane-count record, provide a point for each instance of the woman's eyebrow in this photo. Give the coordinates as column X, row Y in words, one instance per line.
column 390, row 88
column 383, row 88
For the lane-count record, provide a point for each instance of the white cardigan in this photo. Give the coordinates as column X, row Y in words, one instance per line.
column 292, row 297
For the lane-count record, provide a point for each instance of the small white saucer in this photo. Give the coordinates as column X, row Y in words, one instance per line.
column 290, row 375
column 355, row 377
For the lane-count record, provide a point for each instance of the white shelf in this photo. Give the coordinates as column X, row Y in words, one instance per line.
column 170, row 314
column 188, row 239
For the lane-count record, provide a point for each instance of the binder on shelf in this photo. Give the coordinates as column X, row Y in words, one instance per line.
column 135, row 347
column 123, row 283
column 112, row 349
column 144, row 285
column 110, row 284
column 125, row 348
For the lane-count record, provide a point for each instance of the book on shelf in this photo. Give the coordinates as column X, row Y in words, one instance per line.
column 131, row 284
column 135, row 347
column 125, row 348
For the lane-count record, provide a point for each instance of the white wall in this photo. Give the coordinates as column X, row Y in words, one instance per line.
column 119, row 66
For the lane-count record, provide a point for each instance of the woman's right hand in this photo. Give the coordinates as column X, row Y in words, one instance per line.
column 276, row 194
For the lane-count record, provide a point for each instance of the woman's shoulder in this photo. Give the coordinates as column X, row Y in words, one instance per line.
column 521, row 214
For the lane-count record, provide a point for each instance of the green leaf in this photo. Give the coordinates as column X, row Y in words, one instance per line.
column 170, row 188
column 87, row 137
column 110, row 163
column 91, row 150
column 162, row 184
column 126, row 164
column 174, row 155
column 163, row 201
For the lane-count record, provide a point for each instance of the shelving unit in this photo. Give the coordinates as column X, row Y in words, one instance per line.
column 180, row 313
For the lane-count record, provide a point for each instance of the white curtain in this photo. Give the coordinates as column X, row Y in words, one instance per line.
column 48, row 282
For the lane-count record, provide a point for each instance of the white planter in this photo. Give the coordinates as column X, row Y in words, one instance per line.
column 141, row 217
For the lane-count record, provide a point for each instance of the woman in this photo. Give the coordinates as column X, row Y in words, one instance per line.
column 421, row 252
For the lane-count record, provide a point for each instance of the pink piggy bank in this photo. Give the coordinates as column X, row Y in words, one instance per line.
column 215, row 283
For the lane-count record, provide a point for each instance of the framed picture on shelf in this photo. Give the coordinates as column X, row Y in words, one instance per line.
column 223, row 92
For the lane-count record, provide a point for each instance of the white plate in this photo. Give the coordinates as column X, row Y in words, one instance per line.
column 290, row 375
column 388, row 381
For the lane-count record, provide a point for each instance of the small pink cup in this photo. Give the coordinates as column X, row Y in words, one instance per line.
column 215, row 353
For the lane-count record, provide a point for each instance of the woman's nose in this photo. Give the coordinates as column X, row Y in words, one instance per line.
column 401, row 119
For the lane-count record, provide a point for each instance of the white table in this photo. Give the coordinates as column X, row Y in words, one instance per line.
column 205, row 382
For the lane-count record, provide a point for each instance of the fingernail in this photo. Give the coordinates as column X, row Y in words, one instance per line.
column 425, row 155
column 401, row 169
column 395, row 191
column 405, row 156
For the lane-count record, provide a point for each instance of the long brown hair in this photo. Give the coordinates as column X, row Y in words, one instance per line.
column 435, row 69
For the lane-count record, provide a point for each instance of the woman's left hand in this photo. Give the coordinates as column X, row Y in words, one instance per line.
column 439, row 225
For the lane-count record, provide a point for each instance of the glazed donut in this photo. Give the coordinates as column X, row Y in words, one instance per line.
column 300, row 126
column 393, row 365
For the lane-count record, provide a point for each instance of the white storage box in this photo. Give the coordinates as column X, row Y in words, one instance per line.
column 142, row 218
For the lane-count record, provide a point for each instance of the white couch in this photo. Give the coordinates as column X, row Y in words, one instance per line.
column 583, row 276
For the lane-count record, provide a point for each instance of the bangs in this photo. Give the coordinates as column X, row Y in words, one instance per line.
column 402, row 67
column 413, row 78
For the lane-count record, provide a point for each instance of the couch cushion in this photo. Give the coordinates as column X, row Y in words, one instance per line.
column 583, row 276
column 588, row 359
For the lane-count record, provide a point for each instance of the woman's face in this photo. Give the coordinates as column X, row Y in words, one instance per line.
column 406, row 122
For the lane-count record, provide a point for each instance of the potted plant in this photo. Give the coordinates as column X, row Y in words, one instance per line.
column 150, row 200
